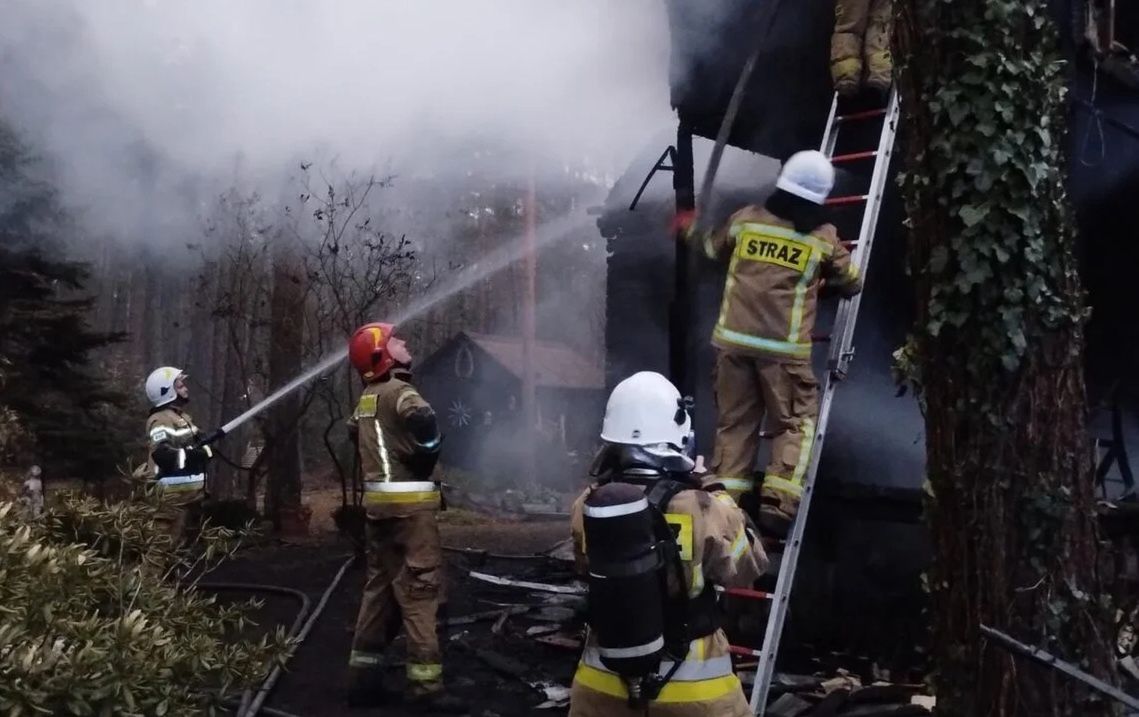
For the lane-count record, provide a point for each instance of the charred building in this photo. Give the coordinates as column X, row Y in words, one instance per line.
column 866, row 546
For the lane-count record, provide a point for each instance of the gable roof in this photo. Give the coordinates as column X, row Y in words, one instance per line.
column 555, row 365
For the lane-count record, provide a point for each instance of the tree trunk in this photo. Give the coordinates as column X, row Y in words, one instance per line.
column 199, row 354
column 153, row 351
column 136, row 317
column 283, row 493
column 229, row 382
column 996, row 357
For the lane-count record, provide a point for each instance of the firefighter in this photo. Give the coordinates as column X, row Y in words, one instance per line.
column 397, row 439
column 860, row 46
column 780, row 254
column 176, row 462
column 654, row 645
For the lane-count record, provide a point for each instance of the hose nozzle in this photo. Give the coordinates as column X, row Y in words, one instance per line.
column 213, row 437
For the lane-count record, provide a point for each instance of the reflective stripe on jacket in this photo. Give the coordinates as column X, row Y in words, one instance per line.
column 772, row 285
column 700, row 678
column 385, row 446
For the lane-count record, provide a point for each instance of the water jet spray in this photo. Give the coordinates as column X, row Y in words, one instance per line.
column 489, row 265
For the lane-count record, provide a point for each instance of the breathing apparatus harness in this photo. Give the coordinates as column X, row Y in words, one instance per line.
column 640, row 619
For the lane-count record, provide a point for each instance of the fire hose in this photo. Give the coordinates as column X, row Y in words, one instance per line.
column 251, row 705
column 729, row 121
column 294, row 629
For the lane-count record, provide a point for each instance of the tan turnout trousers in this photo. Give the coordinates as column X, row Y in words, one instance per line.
column 861, row 41
column 748, row 389
column 402, row 589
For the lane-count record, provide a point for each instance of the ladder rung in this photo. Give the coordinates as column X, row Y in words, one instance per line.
column 853, row 156
column 852, row 199
column 746, row 593
column 866, row 114
column 744, row 651
column 849, row 244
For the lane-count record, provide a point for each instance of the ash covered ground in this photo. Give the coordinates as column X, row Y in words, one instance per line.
column 493, row 670
column 516, row 650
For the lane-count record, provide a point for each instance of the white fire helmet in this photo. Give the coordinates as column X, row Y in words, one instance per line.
column 160, row 385
column 646, row 410
column 809, row 175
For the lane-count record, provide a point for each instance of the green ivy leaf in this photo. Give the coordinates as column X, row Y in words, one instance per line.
column 972, row 215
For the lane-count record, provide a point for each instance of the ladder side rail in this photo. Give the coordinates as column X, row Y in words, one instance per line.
column 781, row 597
column 830, row 134
column 840, row 357
column 842, row 344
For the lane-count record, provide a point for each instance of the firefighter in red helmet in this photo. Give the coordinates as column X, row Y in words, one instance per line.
column 397, row 440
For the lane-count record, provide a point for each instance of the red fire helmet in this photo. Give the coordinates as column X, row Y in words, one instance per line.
column 368, row 350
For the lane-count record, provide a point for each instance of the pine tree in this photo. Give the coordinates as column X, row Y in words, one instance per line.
column 76, row 420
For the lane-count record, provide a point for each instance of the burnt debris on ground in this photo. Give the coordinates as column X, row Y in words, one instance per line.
column 511, row 644
column 507, row 652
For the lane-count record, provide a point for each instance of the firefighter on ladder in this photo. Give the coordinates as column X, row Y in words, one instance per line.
column 398, row 444
column 655, row 645
column 860, row 46
column 780, row 255
column 176, row 463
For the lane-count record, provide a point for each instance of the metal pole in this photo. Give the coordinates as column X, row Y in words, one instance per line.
column 1069, row 669
column 529, row 327
column 684, row 185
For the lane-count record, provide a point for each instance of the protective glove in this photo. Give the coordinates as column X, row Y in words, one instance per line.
column 683, row 222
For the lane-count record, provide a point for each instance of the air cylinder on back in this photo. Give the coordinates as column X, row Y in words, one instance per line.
column 626, row 603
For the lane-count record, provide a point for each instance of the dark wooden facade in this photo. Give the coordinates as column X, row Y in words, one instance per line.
column 858, row 587
column 474, row 382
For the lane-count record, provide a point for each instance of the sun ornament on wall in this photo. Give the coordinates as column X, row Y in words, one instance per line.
column 459, row 414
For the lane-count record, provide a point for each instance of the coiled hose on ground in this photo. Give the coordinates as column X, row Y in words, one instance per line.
column 252, row 704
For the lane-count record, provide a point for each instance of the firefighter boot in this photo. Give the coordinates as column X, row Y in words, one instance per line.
column 879, row 61
column 846, row 46
column 777, row 510
column 366, row 688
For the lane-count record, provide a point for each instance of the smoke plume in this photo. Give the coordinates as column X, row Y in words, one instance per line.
column 144, row 107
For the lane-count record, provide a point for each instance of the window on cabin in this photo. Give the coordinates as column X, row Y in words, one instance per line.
column 464, row 362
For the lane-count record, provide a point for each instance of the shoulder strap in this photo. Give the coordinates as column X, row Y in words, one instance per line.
column 663, row 491
column 676, row 608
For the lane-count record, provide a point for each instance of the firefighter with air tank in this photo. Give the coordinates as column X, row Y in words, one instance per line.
column 655, row 542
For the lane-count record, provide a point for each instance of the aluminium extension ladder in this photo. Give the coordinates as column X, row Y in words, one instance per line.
column 841, row 353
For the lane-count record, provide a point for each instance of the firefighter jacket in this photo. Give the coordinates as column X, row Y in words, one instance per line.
column 398, row 444
column 175, row 462
column 716, row 548
column 772, row 288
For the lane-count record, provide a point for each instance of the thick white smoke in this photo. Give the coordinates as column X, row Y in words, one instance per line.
column 144, row 104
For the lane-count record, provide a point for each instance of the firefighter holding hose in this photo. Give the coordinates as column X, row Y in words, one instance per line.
column 781, row 253
column 655, row 544
column 397, row 440
column 176, row 462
